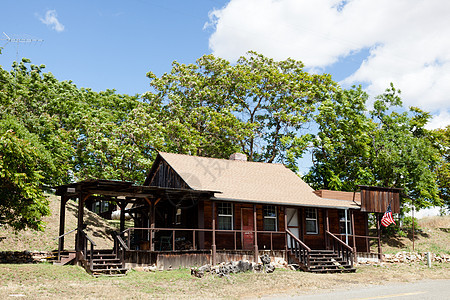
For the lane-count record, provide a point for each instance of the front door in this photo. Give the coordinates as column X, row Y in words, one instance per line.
column 248, row 235
column 292, row 223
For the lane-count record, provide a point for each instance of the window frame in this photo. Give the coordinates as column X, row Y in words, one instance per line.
column 349, row 222
column 265, row 217
column 316, row 221
column 222, row 216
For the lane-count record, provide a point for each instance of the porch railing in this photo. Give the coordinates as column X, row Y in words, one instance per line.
column 88, row 255
column 59, row 242
column 128, row 236
column 298, row 249
column 120, row 247
column 344, row 251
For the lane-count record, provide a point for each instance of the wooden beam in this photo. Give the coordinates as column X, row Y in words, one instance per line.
column 285, row 236
column 352, row 214
column 255, row 230
column 366, row 225
column 62, row 221
column 122, row 206
column 213, row 246
column 380, row 251
column 327, row 228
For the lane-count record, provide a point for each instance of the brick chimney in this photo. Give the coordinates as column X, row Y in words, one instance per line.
column 238, row 156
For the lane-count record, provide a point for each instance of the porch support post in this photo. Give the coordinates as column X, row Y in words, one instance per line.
column 213, row 246
column 352, row 212
column 301, row 223
column 256, row 234
column 327, row 228
column 366, row 225
column 346, row 227
column 152, row 225
column 78, row 242
column 62, row 219
column 380, row 251
column 285, row 235
column 122, row 206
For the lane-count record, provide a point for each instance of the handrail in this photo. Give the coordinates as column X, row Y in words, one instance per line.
column 85, row 252
column 68, row 232
column 119, row 245
column 299, row 249
column 126, row 234
column 344, row 251
column 122, row 243
column 59, row 241
column 298, row 240
column 88, row 238
column 339, row 241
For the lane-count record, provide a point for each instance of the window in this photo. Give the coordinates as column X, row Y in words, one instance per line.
column 342, row 222
column 225, row 216
column 270, row 217
column 311, row 221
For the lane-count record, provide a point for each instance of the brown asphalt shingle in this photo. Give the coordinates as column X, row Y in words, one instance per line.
column 248, row 181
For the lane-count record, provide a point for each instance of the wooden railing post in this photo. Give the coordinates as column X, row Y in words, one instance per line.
column 193, row 240
column 256, row 254
column 213, row 246
column 353, row 234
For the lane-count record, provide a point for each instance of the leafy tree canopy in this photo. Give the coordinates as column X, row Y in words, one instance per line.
column 380, row 147
column 258, row 106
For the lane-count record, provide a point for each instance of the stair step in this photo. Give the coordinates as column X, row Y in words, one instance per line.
column 105, row 259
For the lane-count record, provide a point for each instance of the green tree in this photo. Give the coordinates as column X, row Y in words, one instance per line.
column 442, row 142
column 381, row 147
column 23, row 161
column 258, row 106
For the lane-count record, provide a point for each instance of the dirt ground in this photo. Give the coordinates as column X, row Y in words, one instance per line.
column 45, row 281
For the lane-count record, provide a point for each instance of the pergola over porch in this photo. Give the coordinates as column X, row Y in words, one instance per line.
column 120, row 192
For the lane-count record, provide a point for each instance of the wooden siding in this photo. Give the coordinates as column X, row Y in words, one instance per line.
column 225, row 240
column 163, row 175
column 376, row 199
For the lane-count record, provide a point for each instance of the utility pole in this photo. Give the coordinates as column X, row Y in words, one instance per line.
column 18, row 41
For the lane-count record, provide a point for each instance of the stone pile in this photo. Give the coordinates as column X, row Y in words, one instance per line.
column 408, row 257
column 224, row 269
column 24, row 257
column 146, row 269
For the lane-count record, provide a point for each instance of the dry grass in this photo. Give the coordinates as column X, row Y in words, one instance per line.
column 433, row 236
column 437, row 222
column 45, row 281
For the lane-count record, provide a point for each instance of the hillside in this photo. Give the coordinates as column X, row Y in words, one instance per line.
column 97, row 228
column 433, row 235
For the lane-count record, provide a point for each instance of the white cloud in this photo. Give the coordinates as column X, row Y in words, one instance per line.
column 440, row 120
column 51, row 20
column 407, row 40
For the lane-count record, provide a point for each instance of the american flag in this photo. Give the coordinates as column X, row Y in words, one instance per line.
column 387, row 219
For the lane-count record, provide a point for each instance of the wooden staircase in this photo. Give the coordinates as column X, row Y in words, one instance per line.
column 327, row 261
column 337, row 258
column 322, row 261
column 66, row 258
column 105, row 262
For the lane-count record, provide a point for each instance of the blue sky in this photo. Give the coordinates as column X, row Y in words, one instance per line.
column 113, row 44
column 108, row 44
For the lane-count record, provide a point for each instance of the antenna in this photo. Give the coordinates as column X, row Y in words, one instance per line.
column 18, row 41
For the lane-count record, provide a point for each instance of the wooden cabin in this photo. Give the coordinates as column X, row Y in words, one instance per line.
column 194, row 210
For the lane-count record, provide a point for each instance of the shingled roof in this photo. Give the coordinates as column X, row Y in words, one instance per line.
column 246, row 181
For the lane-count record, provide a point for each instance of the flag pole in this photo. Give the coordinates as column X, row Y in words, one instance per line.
column 413, row 223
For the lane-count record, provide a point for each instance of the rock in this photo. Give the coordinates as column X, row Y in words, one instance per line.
column 265, row 259
column 269, row 268
column 197, row 273
column 258, row 268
